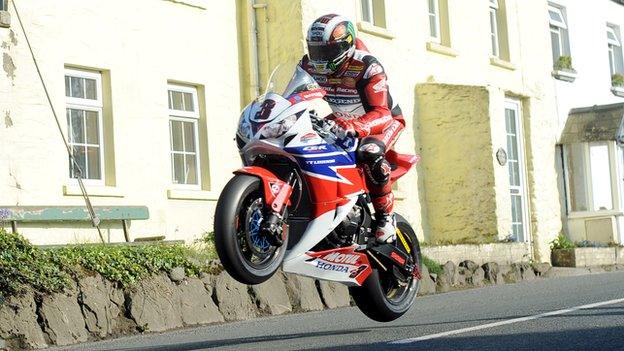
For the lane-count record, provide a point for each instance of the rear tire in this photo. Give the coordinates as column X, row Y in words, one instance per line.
column 374, row 297
column 240, row 210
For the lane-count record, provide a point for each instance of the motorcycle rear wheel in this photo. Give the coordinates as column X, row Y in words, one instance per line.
column 381, row 297
column 243, row 250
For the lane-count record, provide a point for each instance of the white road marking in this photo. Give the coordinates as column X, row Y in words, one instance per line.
column 505, row 322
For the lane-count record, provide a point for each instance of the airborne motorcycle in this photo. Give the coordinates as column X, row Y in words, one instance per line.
column 301, row 202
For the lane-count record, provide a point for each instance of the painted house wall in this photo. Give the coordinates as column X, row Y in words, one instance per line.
column 139, row 48
column 410, row 61
column 587, row 23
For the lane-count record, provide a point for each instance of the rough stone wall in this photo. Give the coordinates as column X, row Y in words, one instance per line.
column 457, row 161
column 503, row 253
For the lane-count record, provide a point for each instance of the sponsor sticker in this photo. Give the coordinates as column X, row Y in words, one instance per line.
column 356, row 68
column 395, row 256
column 337, row 257
column 275, row 188
column 315, row 148
column 335, row 80
column 308, row 137
column 353, row 74
column 320, row 162
column 320, row 78
column 380, row 86
column 348, row 81
column 331, row 267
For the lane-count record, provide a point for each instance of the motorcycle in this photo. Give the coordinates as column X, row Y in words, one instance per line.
column 301, row 203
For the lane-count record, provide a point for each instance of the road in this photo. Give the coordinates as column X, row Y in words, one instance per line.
column 572, row 313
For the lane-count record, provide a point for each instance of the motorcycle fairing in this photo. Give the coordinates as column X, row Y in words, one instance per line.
column 271, row 184
column 343, row 264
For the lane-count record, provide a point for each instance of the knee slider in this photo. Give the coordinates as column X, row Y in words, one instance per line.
column 380, row 171
column 370, row 150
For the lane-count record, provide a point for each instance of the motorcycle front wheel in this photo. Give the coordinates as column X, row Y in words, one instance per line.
column 244, row 250
column 383, row 297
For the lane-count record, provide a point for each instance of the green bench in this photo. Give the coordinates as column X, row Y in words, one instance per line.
column 32, row 214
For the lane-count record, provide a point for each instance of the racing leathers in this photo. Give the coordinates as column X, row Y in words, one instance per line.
column 359, row 88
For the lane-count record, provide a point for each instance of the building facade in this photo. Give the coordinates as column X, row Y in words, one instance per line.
column 150, row 103
column 471, row 81
column 588, row 72
column 147, row 97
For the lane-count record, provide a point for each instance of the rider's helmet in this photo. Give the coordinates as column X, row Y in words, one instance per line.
column 331, row 43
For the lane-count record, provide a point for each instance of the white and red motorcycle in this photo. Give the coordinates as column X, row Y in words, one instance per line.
column 301, row 203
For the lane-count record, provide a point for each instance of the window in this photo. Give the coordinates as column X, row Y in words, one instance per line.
column 434, row 20
column 374, row 12
column 558, row 33
column 495, row 45
column 183, row 132
column 4, row 5
column 589, row 176
column 83, row 96
column 615, row 50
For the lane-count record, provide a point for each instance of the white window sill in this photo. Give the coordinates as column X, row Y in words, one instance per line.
column 370, row 28
column 92, row 190
column 618, row 91
column 495, row 61
column 594, row 214
column 441, row 49
column 5, row 19
column 566, row 76
column 189, row 194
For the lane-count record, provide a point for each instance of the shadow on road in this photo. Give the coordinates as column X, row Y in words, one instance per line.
column 603, row 339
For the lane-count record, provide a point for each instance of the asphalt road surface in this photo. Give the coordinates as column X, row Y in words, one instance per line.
column 572, row 313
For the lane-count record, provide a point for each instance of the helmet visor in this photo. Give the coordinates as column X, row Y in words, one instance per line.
column 327, row 51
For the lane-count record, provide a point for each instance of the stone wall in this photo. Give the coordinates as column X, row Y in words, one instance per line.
column 501, row 253
column 94, row 308
column 588, row 256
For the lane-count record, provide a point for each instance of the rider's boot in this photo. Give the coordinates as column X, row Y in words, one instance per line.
column 386, row 223
column 386, row 228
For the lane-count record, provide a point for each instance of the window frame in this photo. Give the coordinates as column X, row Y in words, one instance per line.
column 92, row 106
column 613, row 45
column 553, row 22
column 614, row 174
column 494, row 28
column 435, row 16
column 185, row 116
column 559, row 28
column 369, row 16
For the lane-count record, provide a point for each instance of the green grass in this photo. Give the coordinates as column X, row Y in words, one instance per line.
column 433, row 266
column 24, row 266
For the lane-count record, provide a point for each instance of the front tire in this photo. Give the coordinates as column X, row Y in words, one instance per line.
column 244, row 251
column 381, row 298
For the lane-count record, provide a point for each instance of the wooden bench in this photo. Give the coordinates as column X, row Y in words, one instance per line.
column 31, row 214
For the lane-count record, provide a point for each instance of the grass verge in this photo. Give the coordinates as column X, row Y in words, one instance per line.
column 24, row 266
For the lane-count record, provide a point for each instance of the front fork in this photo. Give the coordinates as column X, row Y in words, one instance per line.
column 275, row 225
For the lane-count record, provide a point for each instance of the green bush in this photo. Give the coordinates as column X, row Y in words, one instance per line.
column 617, row 80
column 24, row 266
column 561, row 242
column 564, row 63
column 433, row 266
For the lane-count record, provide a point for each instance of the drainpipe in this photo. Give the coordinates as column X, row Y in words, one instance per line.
column 253, row 48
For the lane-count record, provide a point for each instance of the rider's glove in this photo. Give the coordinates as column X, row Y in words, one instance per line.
column 344, row 127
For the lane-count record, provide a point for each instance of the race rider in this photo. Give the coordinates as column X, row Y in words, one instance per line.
column 355, row 83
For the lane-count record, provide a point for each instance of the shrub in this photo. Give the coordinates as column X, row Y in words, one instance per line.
column 617, row 80
column 564, row 63
column 561, row 242
column 433, row 266
column 24, row 266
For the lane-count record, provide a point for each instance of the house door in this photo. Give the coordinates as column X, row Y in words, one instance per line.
column 517, row 169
